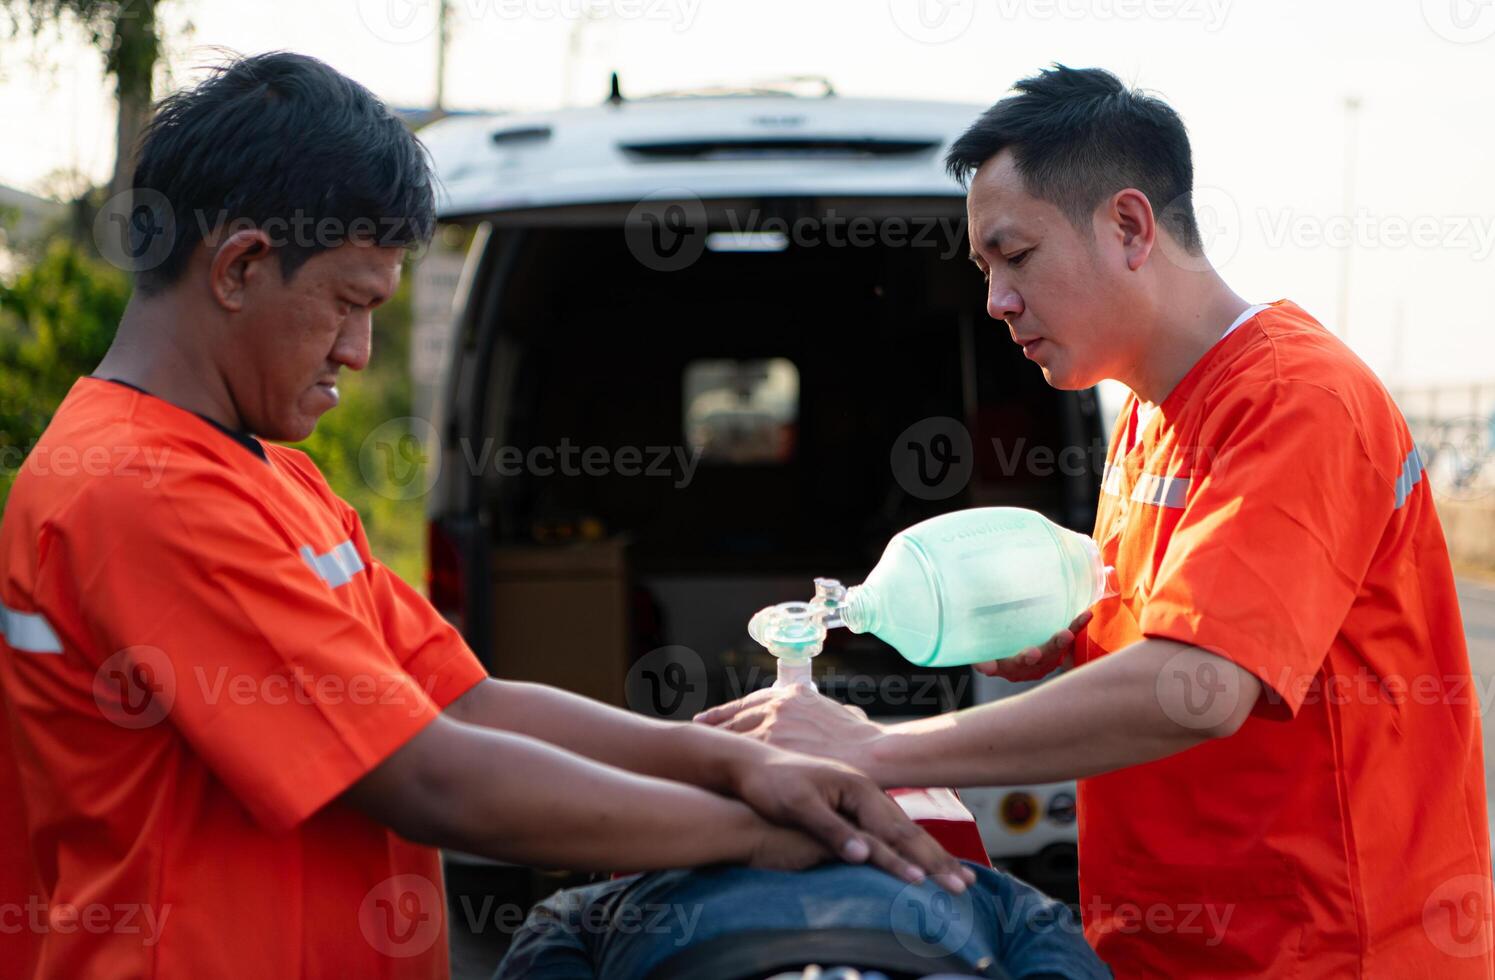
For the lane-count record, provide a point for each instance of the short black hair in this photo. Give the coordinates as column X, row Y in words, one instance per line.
column 283, row 142
column 1077, row 136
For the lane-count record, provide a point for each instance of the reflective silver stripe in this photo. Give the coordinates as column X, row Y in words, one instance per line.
column 1111, row 480
column 1161, row 491
column 1411, row 476
column 338, row 566
column 29, row 632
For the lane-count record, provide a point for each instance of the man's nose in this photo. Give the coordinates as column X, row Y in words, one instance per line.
column 355, row 344
column 1002, row 301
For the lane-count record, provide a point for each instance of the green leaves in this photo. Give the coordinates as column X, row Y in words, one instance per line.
column 56, row 321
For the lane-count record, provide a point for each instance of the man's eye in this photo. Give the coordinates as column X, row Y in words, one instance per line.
column 1016, row 258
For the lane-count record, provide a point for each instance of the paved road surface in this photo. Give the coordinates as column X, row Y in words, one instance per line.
column 1477, row 601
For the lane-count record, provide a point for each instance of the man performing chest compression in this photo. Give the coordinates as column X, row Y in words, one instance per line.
column 223, row 716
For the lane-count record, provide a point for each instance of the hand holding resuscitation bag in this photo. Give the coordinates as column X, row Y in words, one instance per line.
column 961, row 588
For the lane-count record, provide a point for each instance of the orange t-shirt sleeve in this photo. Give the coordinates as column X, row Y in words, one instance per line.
column 287, row 688
column 1277, row 535
column 428, row 647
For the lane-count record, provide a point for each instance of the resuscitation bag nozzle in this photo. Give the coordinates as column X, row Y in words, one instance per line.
column 794, row 632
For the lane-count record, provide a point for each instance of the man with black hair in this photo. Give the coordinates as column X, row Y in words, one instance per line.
column 233, row 737
column 1280, row 764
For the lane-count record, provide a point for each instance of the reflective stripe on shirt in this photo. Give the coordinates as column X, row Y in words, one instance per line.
column 1411, row 476
column 1111, row 481
column 336, row 567
column 1161, row 491
column 28, row 632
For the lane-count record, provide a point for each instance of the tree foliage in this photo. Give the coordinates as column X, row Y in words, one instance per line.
column 127, row 33
column 57, row 319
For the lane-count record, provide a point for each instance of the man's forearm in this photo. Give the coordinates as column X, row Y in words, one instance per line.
column 670, row 750
column 514, row 798
column 544, row 807
column 1103, row 716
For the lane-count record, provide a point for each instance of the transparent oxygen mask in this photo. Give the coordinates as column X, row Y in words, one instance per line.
column 794, row 632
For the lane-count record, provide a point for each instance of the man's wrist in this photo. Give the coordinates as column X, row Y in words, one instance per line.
column 719, row 761
column 875, row 756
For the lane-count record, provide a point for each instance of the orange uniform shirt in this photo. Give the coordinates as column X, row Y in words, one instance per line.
column 200, row 654
column 1273, row 511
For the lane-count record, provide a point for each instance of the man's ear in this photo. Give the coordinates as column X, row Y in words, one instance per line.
column 1130, row 216
column 240, row 257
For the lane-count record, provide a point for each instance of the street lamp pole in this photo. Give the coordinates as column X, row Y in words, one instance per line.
column 1351, row 141
column 443, row 9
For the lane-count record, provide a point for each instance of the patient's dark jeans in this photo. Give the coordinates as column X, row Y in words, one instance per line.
column 622, row 929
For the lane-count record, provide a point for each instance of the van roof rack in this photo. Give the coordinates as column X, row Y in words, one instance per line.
column 800, row 86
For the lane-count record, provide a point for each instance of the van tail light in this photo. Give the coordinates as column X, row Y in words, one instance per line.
column 1019, row 811
column 446, row 577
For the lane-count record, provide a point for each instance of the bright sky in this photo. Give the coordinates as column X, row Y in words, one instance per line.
column 1261, row 84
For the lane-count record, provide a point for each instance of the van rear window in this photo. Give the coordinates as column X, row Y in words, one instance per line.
column 742, row 412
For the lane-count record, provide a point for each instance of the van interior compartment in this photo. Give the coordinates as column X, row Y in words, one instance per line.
column 560, row 617
column 596, row 347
